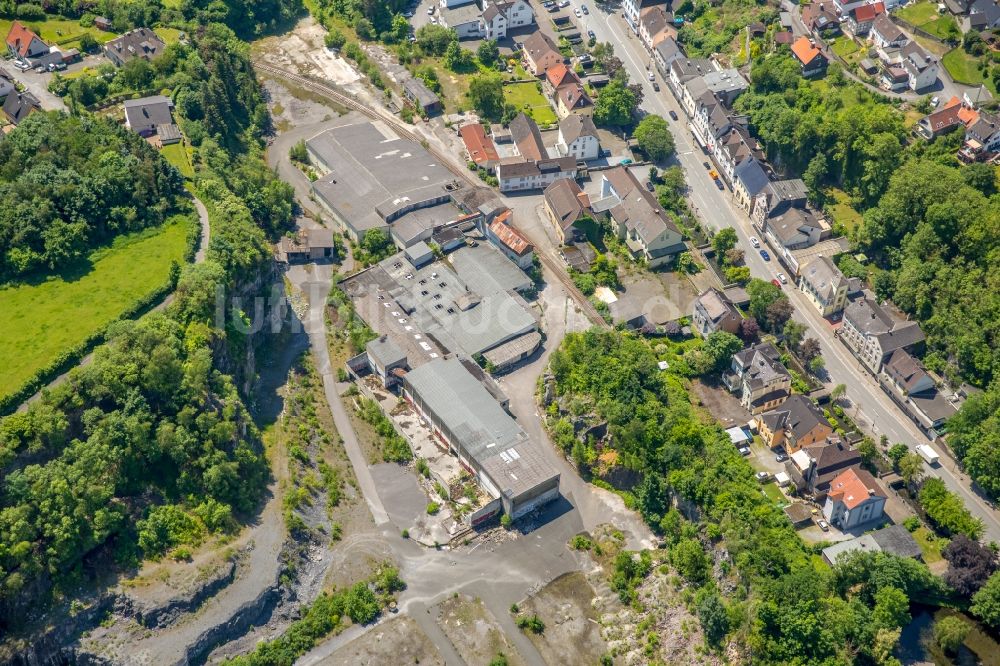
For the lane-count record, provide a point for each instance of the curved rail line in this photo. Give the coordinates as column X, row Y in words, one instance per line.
column 327, row 90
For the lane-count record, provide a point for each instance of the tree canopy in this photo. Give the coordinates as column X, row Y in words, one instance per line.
column 654, row 138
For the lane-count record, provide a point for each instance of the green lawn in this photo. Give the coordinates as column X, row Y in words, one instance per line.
column 525, row 97
column 177, row 154
column 43, row 319
column 918, row 13
column 841, row 210
column 964, row 68
column 844, row 46
column 943, row 27
column 930, row 544
column 773, row 493
column 63, row 32
column 168, row 35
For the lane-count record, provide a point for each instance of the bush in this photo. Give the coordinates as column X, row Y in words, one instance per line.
column 532, row 623
column 950, row 633
column 335, row 39
column 30, row 12
column 505, row 521
column 433, row 508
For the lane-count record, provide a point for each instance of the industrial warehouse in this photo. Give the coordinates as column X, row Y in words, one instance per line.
column 433, row 317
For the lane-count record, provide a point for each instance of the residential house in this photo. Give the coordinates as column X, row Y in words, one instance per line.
column 422, row 97
column 692, row 90
column 19, row 105
column 655, row 25
column 952, row 115
column 759, row 377
column 749, row 180
column 385, row 356
column 518, row 175
column 873, row 333
column 778, row 197
column 854, row 499
column 664, row 54
column 527, row 139
column 638, row 220
column 814, row 466
column 632, row 10
column 734, row 148
column 982, row 138
column 466, row 20
column 103, row 23
column 540, row 53
column 843, row 8
column 785, row 37
column 152, row 117
column 825, row 285
column 571, row 97
column 479, row 147
column 138, row 43
column 886, row 34
column 23, row 44
column 958, row 7
column 906, row 381
column 983, row 15
column 511, row 242
column 499, row 17
column 811, row 60
column 821, row 19
column 726, row 85
column 796, row 423
column 566, row 204
column 578, row 137
column 894, row 539
column 682, row 70
column 305, row 246
column 921, row 69
column 713, row 311
column 861, row 19
column 894, row 78
column 795, row 229
column 710, row 120
column 7, row 83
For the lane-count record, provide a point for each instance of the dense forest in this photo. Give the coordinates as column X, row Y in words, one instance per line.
column 753, row 579
column 68, row 184
column 151, row 447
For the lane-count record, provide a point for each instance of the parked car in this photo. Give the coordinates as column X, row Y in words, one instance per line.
column 673, row 115
column 578, row 13
column 775, row 282
column 713, row 173
column 434, row 19
column 718, row 184
column 935, row 101
column 762, row 476
column 564, row 3
column 744, row 450
column 649, row 186
column 780, row 456
column 590, row 33
column 784, row 280
column 625, row 162
column 754, row 241
column 706, row 165
column 23, row 66
column 40, row 69
column 553, row 9
column 407, row 14
column 586, row 57
column 651, row 76
column 430, row 10
column 764, row 255
column 57, row 66
column 656, row 86
column 823, row 525
column 584, row 8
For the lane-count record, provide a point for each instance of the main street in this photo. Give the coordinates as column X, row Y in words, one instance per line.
column 716, row 209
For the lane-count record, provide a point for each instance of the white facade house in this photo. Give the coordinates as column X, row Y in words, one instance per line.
column 534, row 175
column 491, row 23
column 578, row 137
column 456, row 3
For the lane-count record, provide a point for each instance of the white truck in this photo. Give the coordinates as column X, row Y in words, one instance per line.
column 928, row 454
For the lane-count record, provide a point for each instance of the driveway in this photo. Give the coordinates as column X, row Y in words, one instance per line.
column 38, row 84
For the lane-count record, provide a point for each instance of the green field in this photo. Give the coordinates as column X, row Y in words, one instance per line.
column 844, row 46
column 773, row 493
column 841, row 210
column 525, row 97
column 925, row 16
column 964, row 68
column 41, row 320
column 177, row 154
column 930, row 544
column 63, row 32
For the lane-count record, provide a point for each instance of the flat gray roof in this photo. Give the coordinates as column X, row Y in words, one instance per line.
column 369, row 170
column 487, row 433
column 385, row 352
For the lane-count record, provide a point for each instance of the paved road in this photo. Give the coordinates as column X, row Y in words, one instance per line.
column 717, row 210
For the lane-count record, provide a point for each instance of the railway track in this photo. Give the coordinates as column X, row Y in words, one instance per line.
column 546, row 256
